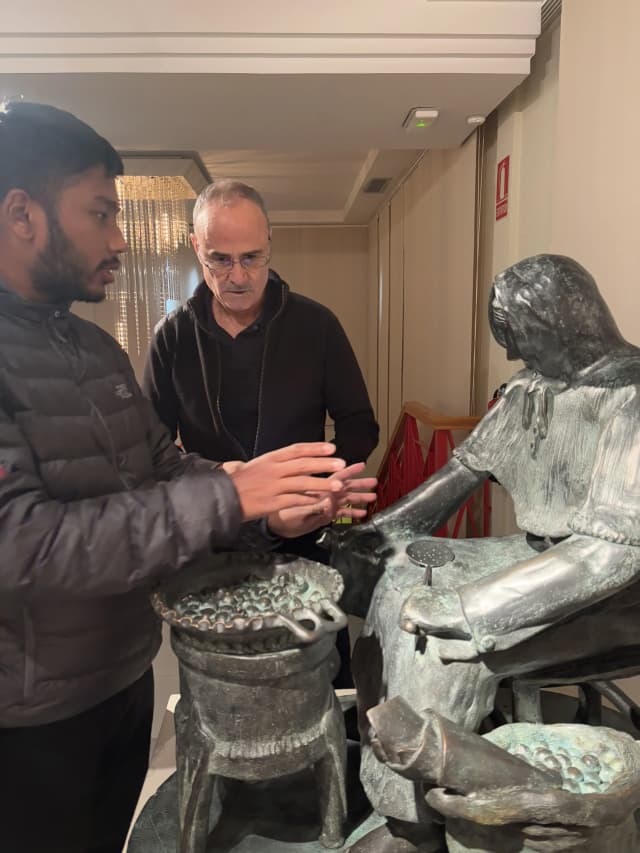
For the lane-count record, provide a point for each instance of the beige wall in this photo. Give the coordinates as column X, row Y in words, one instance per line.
column 523, row 127
column 439, row 217
column 421, row 286
column 573, row 135
column 329, row 264
column 596, row 201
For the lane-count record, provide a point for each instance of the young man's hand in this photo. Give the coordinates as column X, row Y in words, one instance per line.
column 286, row 478
column 349, row 502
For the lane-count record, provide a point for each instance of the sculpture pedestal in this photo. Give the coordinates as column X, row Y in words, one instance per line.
column 276, row 816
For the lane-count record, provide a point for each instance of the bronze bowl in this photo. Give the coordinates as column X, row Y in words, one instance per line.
column 311, row 615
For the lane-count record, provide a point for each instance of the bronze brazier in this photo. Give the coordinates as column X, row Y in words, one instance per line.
column 256, row 700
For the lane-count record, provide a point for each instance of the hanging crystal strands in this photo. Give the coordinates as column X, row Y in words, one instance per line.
column 155, row 223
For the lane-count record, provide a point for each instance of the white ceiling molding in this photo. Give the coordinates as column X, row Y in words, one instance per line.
column 257, row 18
column 409, row 36
column 305, row 101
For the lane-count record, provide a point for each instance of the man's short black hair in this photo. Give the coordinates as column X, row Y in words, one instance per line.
column 41, row 147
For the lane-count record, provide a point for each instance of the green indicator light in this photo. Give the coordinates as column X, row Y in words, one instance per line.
column 421, row 124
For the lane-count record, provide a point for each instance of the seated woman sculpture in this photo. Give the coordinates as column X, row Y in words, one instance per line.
column 564, row 440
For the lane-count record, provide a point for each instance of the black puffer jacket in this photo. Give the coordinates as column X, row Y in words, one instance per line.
column 96, row 504
column 308, row 369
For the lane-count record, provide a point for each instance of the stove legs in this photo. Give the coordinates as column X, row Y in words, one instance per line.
column 330, row 773
column 200, row 790
column 196, row 817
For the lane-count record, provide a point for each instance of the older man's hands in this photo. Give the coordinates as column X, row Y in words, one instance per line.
column 349, row 500
column 286, row 478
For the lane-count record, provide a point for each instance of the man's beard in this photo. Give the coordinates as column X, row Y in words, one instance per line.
column 60, row 272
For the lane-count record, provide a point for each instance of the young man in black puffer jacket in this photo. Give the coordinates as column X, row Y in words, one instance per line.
column 96, row 502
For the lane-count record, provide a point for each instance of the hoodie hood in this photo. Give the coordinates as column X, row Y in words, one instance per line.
column 548, row 311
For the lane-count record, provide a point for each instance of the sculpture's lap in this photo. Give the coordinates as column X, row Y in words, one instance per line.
column 463, row 691
column 409, row 667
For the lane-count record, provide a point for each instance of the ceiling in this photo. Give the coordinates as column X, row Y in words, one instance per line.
column 307, row 107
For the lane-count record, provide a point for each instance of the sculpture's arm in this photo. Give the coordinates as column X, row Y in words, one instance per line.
column 360, row 552
column 428, row 506
column 481, row 782
column 430, row 748
column 511, row 605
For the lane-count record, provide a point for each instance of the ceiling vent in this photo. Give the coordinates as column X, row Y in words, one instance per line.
column 376, row 185
column 550, row 11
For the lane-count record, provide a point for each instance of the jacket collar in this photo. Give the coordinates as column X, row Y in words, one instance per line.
column 11, row 303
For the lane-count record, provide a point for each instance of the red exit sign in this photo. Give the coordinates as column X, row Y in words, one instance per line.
column 502, row 188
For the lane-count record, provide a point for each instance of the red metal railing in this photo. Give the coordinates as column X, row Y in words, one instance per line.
column 405, row 465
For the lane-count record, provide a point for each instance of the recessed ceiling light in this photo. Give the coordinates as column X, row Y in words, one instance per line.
column 475, row 120
column 419, row 119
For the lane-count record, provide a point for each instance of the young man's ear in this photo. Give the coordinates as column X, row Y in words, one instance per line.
column 22, row 215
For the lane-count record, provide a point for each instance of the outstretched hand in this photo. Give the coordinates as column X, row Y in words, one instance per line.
column 349, row 501
column 287, row 478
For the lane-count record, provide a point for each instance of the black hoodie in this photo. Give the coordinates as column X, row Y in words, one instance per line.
column 307, row 369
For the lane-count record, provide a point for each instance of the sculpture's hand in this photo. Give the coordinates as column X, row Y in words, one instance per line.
column 355, row 547
column 515, row 805
column 359, row 553
column 548, row 839
column 434, row 611
column 497, row 806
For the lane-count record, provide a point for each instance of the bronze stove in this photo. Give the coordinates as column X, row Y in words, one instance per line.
column 256, row 697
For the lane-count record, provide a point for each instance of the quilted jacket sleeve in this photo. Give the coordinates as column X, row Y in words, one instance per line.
column 109, row 544
column 170, row 463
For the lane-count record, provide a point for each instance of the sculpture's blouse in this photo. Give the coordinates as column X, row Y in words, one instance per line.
column 568, row 456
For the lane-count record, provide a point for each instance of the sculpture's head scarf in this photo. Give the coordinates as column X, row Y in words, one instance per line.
column 548, row 311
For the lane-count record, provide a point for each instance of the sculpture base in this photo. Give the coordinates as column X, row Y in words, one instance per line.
column 278, row 816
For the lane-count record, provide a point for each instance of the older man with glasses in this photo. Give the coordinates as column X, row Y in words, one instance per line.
column 246, row 365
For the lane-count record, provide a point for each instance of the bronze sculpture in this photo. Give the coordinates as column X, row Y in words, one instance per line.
column 564, row 441
column 522, row 787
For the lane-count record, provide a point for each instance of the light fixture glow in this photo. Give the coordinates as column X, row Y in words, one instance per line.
column 419, row 119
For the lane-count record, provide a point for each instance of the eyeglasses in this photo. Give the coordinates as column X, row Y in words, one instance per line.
column 223, row 264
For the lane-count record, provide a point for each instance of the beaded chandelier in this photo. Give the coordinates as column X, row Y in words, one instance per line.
column 155, row 221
